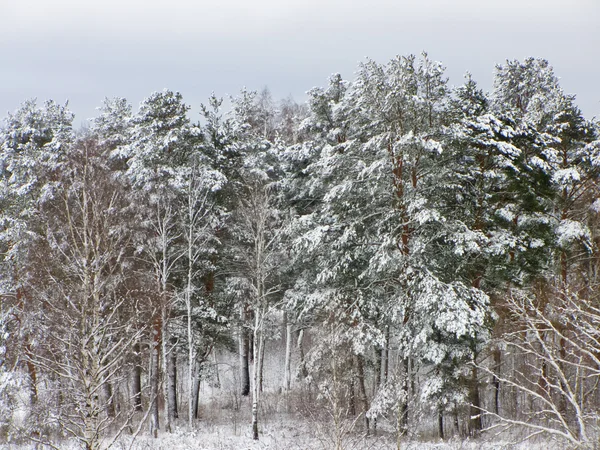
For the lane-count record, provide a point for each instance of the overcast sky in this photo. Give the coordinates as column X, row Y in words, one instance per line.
column 85, row 50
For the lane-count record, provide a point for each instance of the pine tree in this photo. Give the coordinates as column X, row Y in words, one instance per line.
column 160, row 143
column 33, row 145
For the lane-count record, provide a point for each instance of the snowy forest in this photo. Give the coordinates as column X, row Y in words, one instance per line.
column 395, row 257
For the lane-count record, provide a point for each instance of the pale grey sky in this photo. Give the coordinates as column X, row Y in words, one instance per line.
column 84, row 50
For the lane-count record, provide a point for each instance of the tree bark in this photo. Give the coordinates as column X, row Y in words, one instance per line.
column 287, row 376
column 31, row 370
column 377, row 375
column 385, row 357
column 137, row 377
column 191, row 381
column 168, row 418
column 258, row 339
column 244, row 350
column 261, row 363
column 154, row 376
column 300, row 345
column 352, row 398
column 475, row 424
column 190, row 336
column 251, row 344
column 403, row 419
column 216, row 363
column 196, row 392
column 172, row 383
column 456, row 423
column 496, row 380
column 362, row 391
column 109, row 400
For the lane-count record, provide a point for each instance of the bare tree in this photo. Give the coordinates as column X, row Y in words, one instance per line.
column 87, row 335
column 259, row 228
column 556, row 347
column 162, row 255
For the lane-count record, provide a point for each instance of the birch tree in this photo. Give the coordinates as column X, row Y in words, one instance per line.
column 82, row 260
column 259, row 265
column 556, row 349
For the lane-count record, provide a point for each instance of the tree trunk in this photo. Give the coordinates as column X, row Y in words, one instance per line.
column 456, row 423
column 244, row 359
column 137, row 377
column 256, row 372
column 216, row 363
column 403, row 419
column 352, row 399
column 261, row 363
column 441, row 424
column 385, row 357
column 165, row 371
column 300, row 345
column 362, row 391
column 251, row 344
column 172, row 383
column 31, row 370
column 109, row 400
column 196, row 392
column 90, row 422
column 377, row 375
column 287, row 376
column 475, row 424
column 154, row 376
column 562, row 399
column 191, row 387
column 190, row 337
column 496, row 380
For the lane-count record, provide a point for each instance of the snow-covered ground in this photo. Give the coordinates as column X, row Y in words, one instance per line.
column 285, row 432
column 288, row 422
column 293, row 421
column 288, row 437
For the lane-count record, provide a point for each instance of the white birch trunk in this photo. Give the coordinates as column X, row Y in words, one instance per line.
column 165, row 372
column 190, row 337
column 255, row 372
column 154, row 383
column 257, row 369
column 259, row 247
column 287, row 377
column 191, row 365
